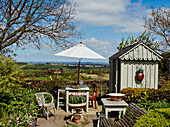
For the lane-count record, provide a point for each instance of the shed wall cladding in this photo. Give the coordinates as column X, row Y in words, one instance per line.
column 140, row 53
column 128, row 73
column 129, row 60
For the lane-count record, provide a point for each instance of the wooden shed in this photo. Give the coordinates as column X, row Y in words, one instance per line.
column 125, row 64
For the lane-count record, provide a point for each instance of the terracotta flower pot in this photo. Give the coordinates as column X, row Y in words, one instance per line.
column 77, row 119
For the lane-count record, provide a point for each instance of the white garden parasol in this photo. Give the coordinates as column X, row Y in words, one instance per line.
column 80, row 51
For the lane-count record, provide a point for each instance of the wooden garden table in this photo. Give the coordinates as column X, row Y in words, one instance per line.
column 109, row 105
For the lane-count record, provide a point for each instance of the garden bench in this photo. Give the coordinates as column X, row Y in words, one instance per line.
column 132, row 114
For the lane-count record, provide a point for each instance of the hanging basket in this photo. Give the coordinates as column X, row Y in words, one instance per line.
column 139, row 74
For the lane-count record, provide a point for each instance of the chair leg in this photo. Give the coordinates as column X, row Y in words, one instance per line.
column 54, row 111
column 92, row 102
column 98, row 122
column 47, row 116
column 95, row 104
column 58, row 95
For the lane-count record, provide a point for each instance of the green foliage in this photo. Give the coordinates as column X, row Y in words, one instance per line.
column 11, row 82
column 138, row 94
column 76, row 99
column 143, row 37
column 22, row 117
column 155, row 118
column 142, row 95
column 19, row 110
column 152, row 105
column 10, row 77
column 164, row 66
column 165, row 86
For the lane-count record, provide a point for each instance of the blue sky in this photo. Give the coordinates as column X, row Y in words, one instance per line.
column 103, row 23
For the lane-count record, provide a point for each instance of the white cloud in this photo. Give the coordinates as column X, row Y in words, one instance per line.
column 117, row 13
column 104, row 47
column 97, row 44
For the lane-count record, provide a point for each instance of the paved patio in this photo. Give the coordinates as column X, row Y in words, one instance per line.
column 61, row 117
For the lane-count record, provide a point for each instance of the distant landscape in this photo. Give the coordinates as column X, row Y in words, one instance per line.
column 67, row 71
column 52, row 62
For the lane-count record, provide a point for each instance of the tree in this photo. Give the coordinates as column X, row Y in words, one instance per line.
column 158, row 23
column 164, row 65
column 38, row 22
column 11, row 77
column 143, row 37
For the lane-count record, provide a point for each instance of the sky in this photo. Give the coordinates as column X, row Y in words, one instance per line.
column 103, row 24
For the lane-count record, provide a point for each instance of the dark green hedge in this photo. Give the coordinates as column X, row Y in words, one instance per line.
column 155, row 118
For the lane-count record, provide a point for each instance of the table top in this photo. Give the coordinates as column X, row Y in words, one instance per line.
column 84, row 87
column 109, row 102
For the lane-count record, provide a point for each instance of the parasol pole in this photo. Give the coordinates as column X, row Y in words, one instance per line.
column 78, row 70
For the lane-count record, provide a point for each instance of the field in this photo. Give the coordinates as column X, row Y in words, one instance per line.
column 69, row 72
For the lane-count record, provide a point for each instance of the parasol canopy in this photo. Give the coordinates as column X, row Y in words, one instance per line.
column 80, row 51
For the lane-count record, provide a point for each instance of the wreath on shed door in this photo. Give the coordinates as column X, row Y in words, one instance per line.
column 139, row 74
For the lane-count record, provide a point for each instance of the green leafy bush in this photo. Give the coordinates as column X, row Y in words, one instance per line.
column 20, row 110
column 11, row 81
column 10, row 77
column 152, row 105
column 138, row 94
column 142, row 95
column 22, row 117
column 155, row 118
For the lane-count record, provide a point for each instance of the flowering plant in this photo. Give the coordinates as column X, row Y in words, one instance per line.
column 22, row 117
column 36, row 88
column 76, row 99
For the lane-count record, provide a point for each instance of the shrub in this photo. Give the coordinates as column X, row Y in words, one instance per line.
column 155, row 118
column 142, row 95
column 11, row 81
column 138, row 94
column 152, row 105
column 10, row 77
column 20, row 110
column 22, row 117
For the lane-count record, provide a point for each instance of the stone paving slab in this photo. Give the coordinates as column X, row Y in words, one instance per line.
column 60, row 121
column 61, row 116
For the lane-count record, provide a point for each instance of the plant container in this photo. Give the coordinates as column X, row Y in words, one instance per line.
column 139, row 76
column 77, row 118
column 116, row 96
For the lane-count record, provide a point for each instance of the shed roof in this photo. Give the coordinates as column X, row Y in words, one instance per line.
column 137, row 51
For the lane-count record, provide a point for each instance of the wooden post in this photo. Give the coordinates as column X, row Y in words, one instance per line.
column 116, row 75
column 78, row 71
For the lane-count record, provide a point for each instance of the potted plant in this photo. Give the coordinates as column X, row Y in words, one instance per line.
column 77, row 100
column 76, row 118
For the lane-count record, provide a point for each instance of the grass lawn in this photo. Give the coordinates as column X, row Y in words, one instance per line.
column 94, row 76
column 38, row 78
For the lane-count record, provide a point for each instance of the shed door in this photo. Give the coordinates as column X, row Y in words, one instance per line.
column 112, row 76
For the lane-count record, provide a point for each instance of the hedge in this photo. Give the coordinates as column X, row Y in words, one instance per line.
column 155, row 118
column 138, row 95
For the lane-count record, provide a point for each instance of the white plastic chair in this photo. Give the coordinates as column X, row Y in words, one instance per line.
column 41, row 98
column 60, row 98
